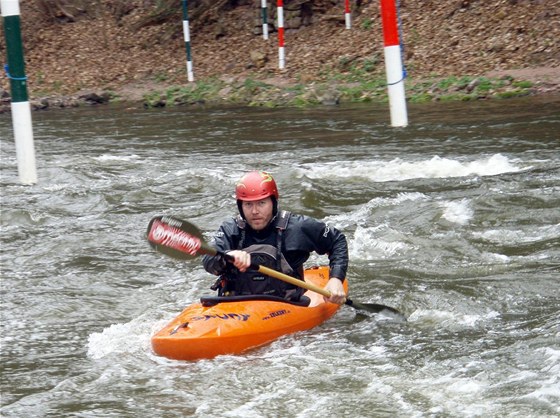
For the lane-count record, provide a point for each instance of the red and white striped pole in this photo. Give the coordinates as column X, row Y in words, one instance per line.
column 393, row 64
column 280, row 17
column 347, row 16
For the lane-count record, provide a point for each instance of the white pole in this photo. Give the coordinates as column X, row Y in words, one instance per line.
column 21, row 110
column 395, row 86
column 347, row 14
column 393, row 64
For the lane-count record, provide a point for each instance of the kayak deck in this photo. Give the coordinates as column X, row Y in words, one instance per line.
column 233, row 325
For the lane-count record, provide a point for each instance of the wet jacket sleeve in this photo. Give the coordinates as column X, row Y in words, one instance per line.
column 325, row 239
column 223, row 241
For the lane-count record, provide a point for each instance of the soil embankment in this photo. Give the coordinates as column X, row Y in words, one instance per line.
column 450, row 47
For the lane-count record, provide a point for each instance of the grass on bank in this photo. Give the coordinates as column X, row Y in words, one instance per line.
column 350, row 89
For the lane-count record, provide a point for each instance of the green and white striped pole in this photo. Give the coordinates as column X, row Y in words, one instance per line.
column 187, row 35
column 21, row 110
column 264, row 13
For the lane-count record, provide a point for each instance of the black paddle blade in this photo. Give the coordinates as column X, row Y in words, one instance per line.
column 176, row 238
column 375, row 308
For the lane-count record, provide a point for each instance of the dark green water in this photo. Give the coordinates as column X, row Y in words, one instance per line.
column 454, row 220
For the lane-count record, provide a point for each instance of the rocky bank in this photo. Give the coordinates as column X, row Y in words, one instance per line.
column 453, row 49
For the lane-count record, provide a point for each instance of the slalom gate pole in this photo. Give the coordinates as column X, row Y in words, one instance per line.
column 393, row 64
column 21, row 110
column 187, row 34
column 264, row 11
column 280, row 17
column 347, row 15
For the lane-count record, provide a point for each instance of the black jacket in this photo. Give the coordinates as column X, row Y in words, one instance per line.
column 302, row 235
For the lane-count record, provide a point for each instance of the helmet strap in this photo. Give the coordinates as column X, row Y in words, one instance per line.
column 240, row 208
column 274, row 206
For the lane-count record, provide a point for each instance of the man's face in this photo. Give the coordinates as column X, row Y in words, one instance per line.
column 258, row 213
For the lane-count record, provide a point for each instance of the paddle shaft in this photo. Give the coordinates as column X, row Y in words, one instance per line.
column 310, row 286
column 293, row 280
column 272, row 273
column 182, row 240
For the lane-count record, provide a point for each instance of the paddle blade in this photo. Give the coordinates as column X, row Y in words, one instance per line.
column 176, row 238
column 375, row 308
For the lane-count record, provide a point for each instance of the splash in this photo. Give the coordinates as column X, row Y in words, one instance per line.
column 432, row 318
column 399, row 170
column 459, row 212
column 366, row 246
column 129, row 338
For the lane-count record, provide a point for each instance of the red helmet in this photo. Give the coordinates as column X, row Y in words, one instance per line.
column 256, row 185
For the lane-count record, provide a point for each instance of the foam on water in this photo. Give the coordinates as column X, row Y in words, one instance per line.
column 373, row 242
column 483, row 329
column 510, row 236
column 451, row 320
column 112, row 157
column 366, row 245
column 213, row 173
column 459, row 212
column 132, row 337
column 550, row 390
column 361, row 215
column 399, row 169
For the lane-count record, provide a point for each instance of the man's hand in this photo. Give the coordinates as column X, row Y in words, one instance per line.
column 242, row 260
column 335, row 287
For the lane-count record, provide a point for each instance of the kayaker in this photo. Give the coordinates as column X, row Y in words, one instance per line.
column 263, row 235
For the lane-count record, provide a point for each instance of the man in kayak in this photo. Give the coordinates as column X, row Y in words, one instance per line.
column 263, row 235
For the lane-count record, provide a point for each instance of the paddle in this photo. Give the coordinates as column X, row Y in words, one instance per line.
column 182, row 240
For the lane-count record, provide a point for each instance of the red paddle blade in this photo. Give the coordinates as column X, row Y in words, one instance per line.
column 175, row 238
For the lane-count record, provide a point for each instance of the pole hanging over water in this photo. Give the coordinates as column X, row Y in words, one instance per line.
column 393, row 64
column 347, row 14
column 21, row 110
column 280, row 17
column 187, row 34
column 264, row 11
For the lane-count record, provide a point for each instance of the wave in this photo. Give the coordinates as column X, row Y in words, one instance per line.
column 399, row 169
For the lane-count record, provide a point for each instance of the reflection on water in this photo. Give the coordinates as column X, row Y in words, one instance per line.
column 453, row 220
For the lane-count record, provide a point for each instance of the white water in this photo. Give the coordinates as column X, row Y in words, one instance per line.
column 398, row 169
column 453, row 222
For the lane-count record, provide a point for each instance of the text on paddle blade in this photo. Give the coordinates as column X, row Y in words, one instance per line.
column 171, row 237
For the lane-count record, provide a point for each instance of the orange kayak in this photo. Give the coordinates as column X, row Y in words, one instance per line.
column 231, row 325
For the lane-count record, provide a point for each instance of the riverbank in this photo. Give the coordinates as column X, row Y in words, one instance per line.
column 281, row 91
column 101, row 53
column 350, row 87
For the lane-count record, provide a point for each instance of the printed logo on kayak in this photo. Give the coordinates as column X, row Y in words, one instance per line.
column 226, row 316
column 276, row 314
column 169, row 236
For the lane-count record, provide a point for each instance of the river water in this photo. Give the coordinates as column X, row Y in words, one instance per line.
column 454, row 220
